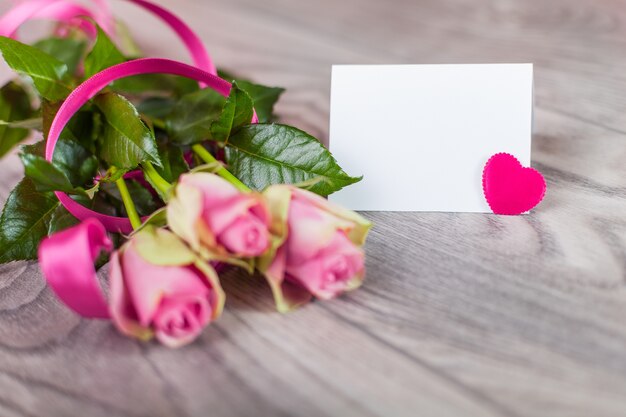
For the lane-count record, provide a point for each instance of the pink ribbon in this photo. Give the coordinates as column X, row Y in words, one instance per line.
column 65, row 10
column 61, row 10
column 66, row 260
column 88, row 89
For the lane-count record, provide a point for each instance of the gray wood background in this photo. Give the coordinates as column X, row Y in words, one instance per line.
column 461, row 314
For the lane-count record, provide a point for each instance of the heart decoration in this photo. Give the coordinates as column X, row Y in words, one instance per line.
column 509, row 187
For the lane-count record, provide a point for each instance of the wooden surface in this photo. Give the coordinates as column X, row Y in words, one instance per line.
column 461, row 314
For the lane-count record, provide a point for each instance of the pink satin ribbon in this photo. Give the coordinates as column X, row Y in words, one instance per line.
column 65, row 10
column 87, row 90
column 59, row 10
column 66, row 260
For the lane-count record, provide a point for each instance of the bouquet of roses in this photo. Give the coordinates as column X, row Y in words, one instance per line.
column 169, row 172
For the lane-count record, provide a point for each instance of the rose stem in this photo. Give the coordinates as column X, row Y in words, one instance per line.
column 151, row 174
column 221, row 171
column 155, row 179
column 135, row 221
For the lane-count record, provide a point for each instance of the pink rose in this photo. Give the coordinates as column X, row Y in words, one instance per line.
column 160, row 288
column 215, row 218
column 318, row 247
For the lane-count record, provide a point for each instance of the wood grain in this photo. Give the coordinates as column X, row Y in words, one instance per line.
column 461, row 314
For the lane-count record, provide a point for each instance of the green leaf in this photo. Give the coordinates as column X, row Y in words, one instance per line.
column 126, row 141
column 77, row 164
column 46, row 176
column 191, row 119
column 174, row 164
column 46, row 71
column 72, row 167
column 155, row 83
column 67, row 50
column 83, row 127
column 265, row 154
column 237, row 112
column 184, row 85
column 49, row 110
column 25, row 221
column 104, row 54
column 103, row 203
column 14, row 106
column 263, row 98
column 156, row 107
column 61, row 219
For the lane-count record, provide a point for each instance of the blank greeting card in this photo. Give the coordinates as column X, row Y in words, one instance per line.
column 421, row 134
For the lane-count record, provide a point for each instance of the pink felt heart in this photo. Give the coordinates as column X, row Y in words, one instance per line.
column 511, row 188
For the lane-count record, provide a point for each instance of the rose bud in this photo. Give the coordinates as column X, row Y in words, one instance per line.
column 217, row 220
column 317, row 247
column 159, row 287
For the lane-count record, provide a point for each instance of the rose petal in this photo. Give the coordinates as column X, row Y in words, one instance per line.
column 359, row 225
column 333, row 270
column 121, row 308
column 180, row 319
column 310, row 230
column 148, row 284
column 221, row 216
column 247, row 236
column 214, row 189
column 184, row 212
column 206, row 206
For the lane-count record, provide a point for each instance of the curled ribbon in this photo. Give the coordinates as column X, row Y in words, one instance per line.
column 74, row 280
column 59, row 10
column 64, row 10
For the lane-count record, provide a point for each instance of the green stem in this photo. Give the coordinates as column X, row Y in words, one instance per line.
column 135, row 221
column 221, row 171
column 155, row 178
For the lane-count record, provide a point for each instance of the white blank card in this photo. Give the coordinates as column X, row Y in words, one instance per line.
column 421, row 134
